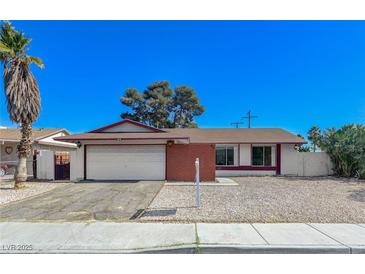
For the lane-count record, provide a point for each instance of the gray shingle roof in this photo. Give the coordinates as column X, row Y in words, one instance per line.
column 200, row 135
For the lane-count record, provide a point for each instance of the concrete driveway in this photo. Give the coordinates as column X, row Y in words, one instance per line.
column 85, row 201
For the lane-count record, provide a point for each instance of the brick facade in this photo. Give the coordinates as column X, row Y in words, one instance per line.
column 180, row 161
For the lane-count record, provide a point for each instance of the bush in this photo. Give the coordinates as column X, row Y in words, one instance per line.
column 346, row 148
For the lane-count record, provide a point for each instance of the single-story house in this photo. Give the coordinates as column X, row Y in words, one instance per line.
column 129, row 150
column 42, row 141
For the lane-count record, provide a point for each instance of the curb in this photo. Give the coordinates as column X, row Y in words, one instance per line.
column 208, row 249
column 236, row 249
column 183, row 249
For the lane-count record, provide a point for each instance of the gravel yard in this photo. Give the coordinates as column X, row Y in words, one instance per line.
column 9, row 194
column 264, row 199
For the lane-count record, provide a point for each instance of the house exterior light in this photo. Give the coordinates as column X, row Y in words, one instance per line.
column 79, row 145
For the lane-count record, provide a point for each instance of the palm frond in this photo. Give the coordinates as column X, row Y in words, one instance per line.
column 36, row 60
column 21, row 88
column 4, row 48
column 22, row 93
column 14, row 40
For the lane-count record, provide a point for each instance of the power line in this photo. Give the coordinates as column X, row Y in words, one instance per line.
column 249, row 117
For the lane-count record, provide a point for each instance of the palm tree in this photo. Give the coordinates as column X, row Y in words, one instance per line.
column 314, row 135
column 21, row 91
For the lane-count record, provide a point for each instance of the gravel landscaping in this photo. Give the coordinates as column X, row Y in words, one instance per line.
column 264, row 200
column 9, row 194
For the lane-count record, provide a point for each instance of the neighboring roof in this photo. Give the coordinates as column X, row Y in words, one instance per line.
column 14, row 134
column 199, row 135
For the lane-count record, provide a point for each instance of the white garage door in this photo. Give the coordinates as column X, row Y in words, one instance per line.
column 125, row 162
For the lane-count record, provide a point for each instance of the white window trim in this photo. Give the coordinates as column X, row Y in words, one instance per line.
column 225, row 147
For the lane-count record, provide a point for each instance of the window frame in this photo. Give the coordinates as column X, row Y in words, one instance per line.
column 226, row 154
column 263, row 155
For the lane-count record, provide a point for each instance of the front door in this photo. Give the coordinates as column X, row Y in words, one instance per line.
column 62, row 165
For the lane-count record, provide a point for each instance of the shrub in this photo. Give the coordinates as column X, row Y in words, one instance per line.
column 346, row 148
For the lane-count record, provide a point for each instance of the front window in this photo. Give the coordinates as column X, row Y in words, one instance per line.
column 224, row 156
column 261, row 156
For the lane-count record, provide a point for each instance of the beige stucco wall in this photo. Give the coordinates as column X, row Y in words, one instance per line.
column 314, row 164
column 45, row 165
column 304, row 163
column 245, row 154
column 289, row 160
column 77, row 164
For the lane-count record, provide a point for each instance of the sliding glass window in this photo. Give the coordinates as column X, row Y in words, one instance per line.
column 224, row 156
column 261, row 156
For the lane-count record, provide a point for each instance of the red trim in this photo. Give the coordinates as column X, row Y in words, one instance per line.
column 98, row 130
column 252, row 143
column 114, row 139
column 278, row 159
column 85, row 155
column 108, row 145
column 245, row 168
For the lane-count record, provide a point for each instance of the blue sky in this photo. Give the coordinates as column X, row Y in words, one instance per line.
column 292, row 74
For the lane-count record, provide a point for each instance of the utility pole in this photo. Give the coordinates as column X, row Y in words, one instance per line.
column 237, row 124
column 249, row 117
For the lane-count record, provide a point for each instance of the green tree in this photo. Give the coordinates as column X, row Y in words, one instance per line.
column 185, row 106
column 162, row 107
column 346, row 148
column 21, row 91
column 302, row 148
column 314, row 136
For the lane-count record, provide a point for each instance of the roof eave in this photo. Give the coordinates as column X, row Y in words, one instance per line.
column 66, row 144
column 116, row 139
column 50, row 134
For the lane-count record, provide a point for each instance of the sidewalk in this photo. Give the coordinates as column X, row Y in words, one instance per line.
column 107, row 237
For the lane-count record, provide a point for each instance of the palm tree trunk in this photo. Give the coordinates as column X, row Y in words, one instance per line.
column 24, row 148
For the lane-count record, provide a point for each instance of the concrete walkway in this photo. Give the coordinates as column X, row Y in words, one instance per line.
column 109, row 237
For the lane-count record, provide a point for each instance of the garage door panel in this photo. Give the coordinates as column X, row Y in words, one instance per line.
column 126, row 162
